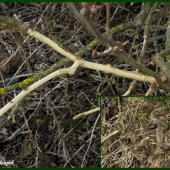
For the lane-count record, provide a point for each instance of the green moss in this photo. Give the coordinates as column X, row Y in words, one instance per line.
column 169, row 125
column 36, row 75
column 1, row 90
column 26, row 81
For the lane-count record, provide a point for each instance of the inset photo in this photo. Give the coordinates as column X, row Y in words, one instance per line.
column 135, row 132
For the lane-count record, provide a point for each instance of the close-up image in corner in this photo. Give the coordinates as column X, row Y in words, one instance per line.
column 135, row 132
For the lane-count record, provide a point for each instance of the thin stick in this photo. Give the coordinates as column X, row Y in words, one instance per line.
column 81, row 115
column 108, row 20
column 90, row 141
column 109, row 136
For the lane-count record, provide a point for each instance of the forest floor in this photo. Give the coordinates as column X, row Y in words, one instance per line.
column 134, row 138
column 31, row 137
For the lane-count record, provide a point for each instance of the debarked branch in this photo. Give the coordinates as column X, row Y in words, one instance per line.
column 79, row 62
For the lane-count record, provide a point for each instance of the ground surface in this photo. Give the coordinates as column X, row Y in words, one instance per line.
column 39, row 142
column 135, row 138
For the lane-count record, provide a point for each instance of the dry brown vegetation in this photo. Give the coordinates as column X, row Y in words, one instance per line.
column 135, row 132
column 41, row 132
column 111, row 49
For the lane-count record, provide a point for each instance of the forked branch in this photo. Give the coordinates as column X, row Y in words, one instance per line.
column 77, row 62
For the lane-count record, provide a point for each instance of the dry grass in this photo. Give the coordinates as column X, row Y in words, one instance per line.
column 131, row 114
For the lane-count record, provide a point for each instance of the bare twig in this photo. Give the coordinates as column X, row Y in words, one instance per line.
column 81, row 115
column 90, row 140
column 109, row 136
column 108, row 20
